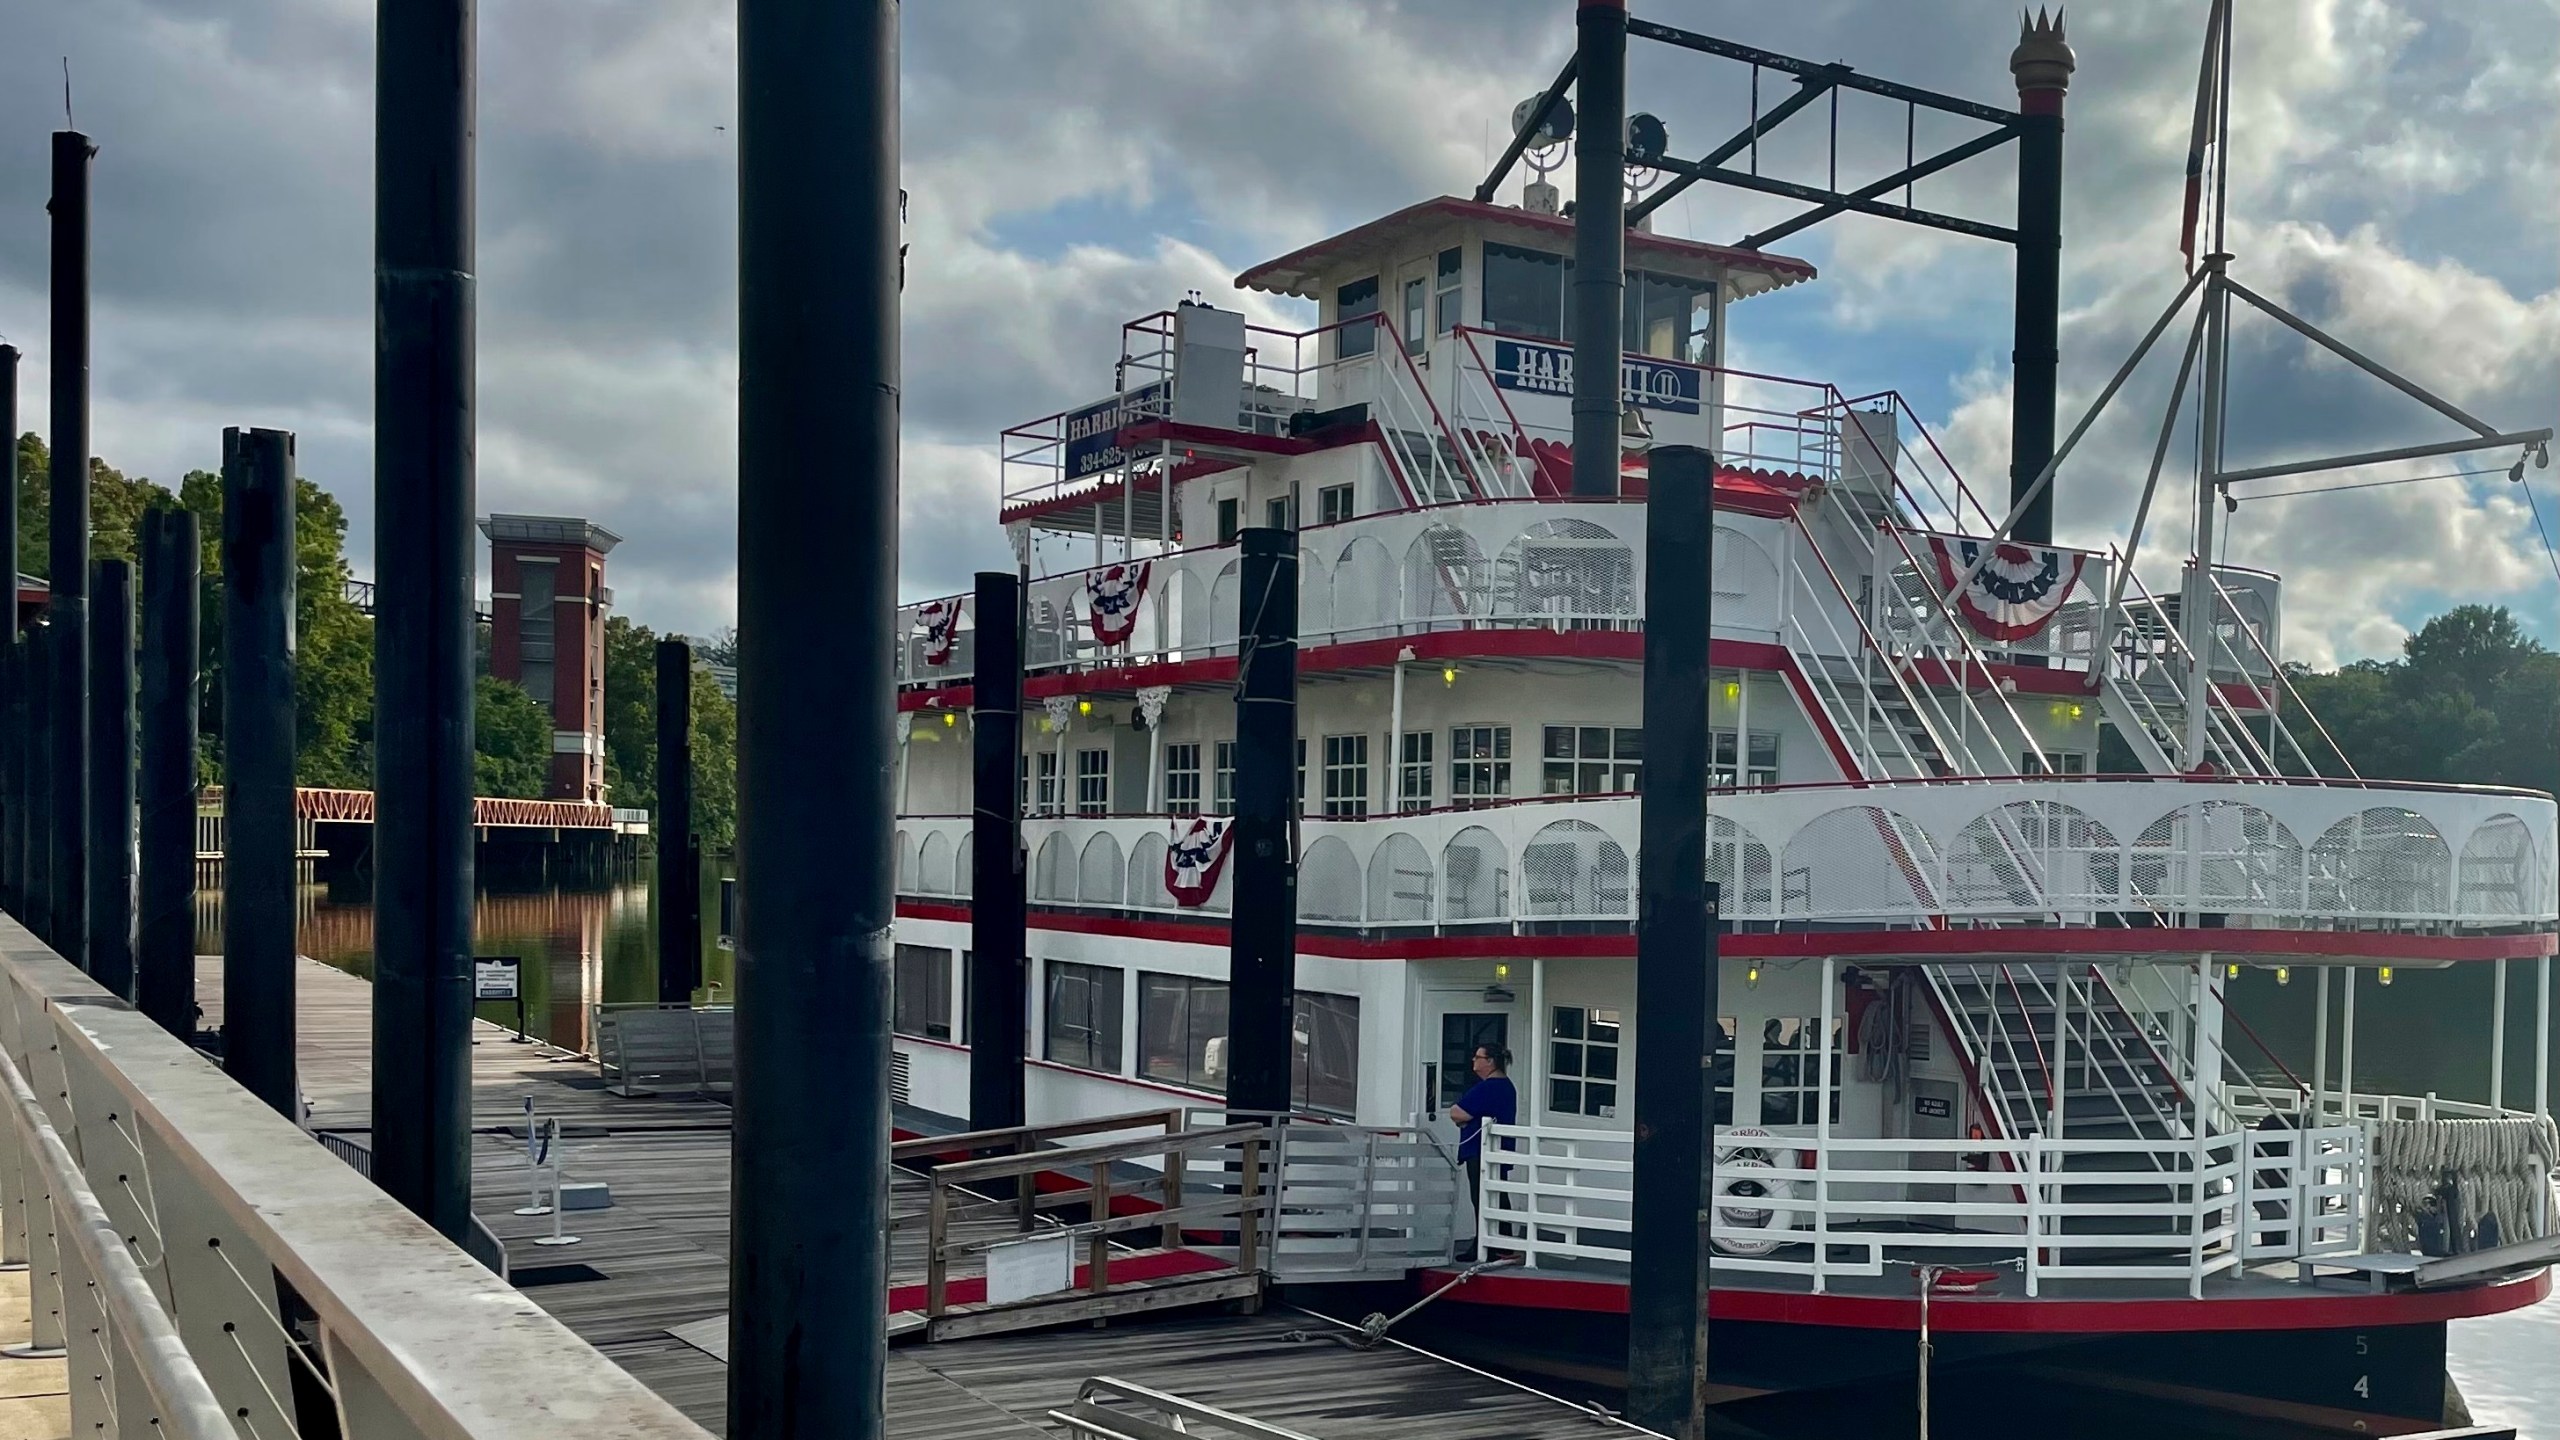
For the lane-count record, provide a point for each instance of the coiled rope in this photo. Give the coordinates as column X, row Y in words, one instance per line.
column 2499, row 1168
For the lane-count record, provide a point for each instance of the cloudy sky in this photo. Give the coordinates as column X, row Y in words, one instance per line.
column 1075, row 163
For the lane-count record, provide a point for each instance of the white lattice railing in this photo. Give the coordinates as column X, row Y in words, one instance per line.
column 2174, row 1211
column 2051, row 849
column 1566, row 566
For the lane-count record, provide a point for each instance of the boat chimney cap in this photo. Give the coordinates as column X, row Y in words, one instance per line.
column 2043, row 59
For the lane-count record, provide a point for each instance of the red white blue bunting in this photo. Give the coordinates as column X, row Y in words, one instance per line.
column 2016, row 593
column 1193, row 861
column 941, row 630
column 1112, row 595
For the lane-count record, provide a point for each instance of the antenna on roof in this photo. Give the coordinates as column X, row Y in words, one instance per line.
column 67, row 122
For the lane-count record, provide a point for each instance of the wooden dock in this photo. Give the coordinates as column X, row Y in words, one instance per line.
column 657, row 1261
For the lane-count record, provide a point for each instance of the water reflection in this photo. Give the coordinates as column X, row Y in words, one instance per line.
column 579, row 947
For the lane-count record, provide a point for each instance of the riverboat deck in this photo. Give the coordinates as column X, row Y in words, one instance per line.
column 657, row 1261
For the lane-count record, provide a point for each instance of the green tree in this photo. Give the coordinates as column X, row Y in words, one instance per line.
column 513, row 732
column 631, row 733
column 2472, row 700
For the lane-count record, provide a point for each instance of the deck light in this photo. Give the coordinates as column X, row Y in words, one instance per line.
column 2284, row 974
column 950, row 718
column 2385, row 976
column 1751, row 977
column 2231, row 972
column 1084, row 707
column 1448, row 674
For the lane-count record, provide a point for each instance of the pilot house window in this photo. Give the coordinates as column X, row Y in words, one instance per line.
column 1352, row 305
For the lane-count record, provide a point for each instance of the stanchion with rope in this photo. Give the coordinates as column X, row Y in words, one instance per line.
column 551, row 1144
column 532, row 1167
column 1954, row 1280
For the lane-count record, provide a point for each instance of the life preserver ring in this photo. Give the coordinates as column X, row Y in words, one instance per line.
column 1744, row 1215
column 1745, row 1144
column 1761, row 1145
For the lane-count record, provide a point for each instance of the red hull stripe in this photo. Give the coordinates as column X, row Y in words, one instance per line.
column 1842, row 944
column 2015, row 1314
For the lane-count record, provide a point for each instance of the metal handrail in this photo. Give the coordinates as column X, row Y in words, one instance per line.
column 138, row 1327
column 431, row 1342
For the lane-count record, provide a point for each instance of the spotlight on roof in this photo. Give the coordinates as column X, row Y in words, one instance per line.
column 1647, row 139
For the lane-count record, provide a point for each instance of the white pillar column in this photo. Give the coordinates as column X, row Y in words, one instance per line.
column 2498, row 1039
column 2347, row 1050
column 2061, row 1050
column 1822, row 1118
column 906, row 724
column 1395, row 741
column 2320, row 1048
column 1151, row 702
column 2542, row 1036
column 1536, row 1053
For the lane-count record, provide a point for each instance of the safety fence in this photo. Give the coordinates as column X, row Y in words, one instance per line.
column 1824, row 1207
column 214, row 1272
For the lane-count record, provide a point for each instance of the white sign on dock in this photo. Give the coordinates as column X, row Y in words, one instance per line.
column 1025, row 1268
column 496, row 977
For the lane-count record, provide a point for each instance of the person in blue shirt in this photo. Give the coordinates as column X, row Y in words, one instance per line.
column 1490, row 1098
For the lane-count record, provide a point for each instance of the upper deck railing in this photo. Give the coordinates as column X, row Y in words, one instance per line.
column 2051, row 849
column 170, row 1219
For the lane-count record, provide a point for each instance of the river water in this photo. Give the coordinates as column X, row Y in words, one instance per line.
column 2427, row 1032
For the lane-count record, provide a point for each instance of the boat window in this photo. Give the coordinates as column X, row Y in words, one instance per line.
column 1280, row 512
column 1182, row 779
column 1350, row 303
column 1324, row 1054
column 1592, row 760
column 1333, row 504
column 1093, row 782
column 1230, row 519
column 1042, row 799
column 920, row 992
column 1346, row 776
column 1448, row 288
column 1763, row 766
column 1417, row 770
column 1182, row 1031
column 1415, row 303
column 1479, row 763
column 1791, row 1071
column 1523, row 292
column 1083, row 1015
column 1582, row 1060
column 1223, row 799
column 1669, row 319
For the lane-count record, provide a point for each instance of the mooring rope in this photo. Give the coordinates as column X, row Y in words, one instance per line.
column 2500, row 1168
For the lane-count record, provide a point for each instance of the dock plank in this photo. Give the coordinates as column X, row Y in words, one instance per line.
column 658, row 1258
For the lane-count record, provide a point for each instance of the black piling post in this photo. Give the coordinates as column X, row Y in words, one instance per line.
column 13, row 772
column 69, row 549
column 165, row 961
column 999, row 985
column 1599, row 242
column 2042, row 65
column 1262, row 938
column 111, row 817
column 425, row 549
column 259, row 845
column 13, row 801
column 679, row 873
column 817, row 566
column 1675, row 961
column 35, row 778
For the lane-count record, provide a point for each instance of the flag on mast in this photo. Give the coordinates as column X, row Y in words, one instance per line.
column 2208, row 117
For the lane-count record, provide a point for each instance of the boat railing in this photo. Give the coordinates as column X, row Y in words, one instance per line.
column 2172, row 1211
column 2056, row 850
column 214, row 1270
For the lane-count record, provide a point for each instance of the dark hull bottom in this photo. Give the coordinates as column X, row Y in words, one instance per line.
column 1787, row 1379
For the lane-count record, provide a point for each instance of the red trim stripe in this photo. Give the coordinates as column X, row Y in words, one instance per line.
column 2016, row 1314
